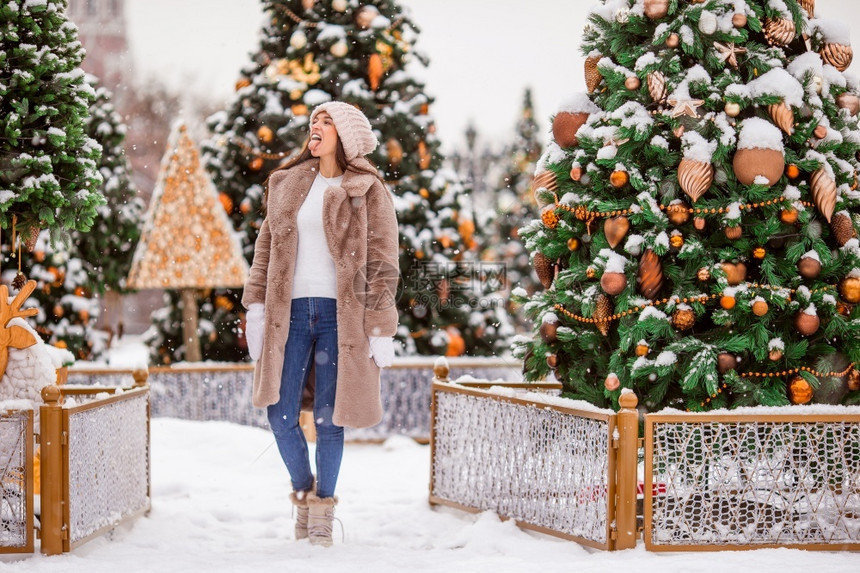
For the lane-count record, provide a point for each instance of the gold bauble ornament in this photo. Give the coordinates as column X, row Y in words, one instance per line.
column 673, row 40
column 374, row 71
column 779, row 31
column 736, row 273
column 842, row 228
column 642, row 350
column 739, row 20
column 612, row 383
column 678, row 213
column 619, row 178
column 703, row 274
column 565, row 125
column 549, row 332
column 656, row 9
column 788, row 216
column 615, row 228
column 590, row 273
column 573, row 244
column 552, row 360
column 632, row 83
column 733, row 233
column 732, row 109
column 613, row 283
column 759, row 253
column 849, row 101
column 849, row 289
column 265, row 134
column 837, row 55
column 806, row 324
column 256, row 163
column 853, row 380
column 748, row 163
column 809, row 6
column 726, row 362
column 676, row 241
column 299, row 109
column 799, row 391
column 759, row 308
column 695, row 177
column 775, row 354
column 394, row 151
column 808, row 267
column 683, row 319
column 650, row 275
column 823, row 192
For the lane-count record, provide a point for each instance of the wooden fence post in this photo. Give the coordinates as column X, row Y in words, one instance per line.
column 51, row 445
column 626, row 475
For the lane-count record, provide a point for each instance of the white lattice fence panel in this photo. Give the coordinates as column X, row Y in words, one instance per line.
column 530, row 462
column 15, row 528
column 108, row 465
column 754, row 483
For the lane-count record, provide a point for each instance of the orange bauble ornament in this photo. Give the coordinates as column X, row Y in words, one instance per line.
column 565, row 124
column 642, row 350
column 619, row 179
column 792, row 171
column 613, row 283
column 759, row 308
column 807, row 324
column 256, row 164
column 612, row 383
column 226, row 202
column 788, row 216
column 265, row 134
column 456, row 344
column 727, row 302
column 849, row 289
column 799, row 391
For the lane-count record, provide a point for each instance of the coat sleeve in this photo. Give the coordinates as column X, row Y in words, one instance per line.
column 383, row 268
column 255, row 286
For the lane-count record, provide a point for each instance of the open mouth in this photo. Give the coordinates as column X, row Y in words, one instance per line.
column 316, row 137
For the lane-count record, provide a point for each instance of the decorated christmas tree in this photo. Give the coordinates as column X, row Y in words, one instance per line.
column 315, row 51
column 700, row 204
column 49, row 177
column 79, row 278
column 187, row 245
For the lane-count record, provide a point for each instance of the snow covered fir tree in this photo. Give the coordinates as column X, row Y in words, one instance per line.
column 312, row 52
column 698, row 232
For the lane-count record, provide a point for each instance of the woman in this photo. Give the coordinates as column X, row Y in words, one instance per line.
column 321, row 303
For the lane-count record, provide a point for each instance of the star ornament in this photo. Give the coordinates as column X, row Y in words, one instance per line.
column 729, row 53
column 685, row 106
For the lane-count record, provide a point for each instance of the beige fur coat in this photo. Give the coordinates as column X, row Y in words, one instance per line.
column 361, row 231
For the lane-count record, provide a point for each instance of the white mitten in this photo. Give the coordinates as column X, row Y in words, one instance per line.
column 382, row 350
column 254, row 320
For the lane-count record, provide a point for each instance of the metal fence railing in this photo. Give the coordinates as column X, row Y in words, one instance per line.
column 550, row 467
column 16, row 481
column 749, row 481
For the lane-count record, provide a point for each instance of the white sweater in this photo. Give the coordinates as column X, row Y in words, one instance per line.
column 315, row 274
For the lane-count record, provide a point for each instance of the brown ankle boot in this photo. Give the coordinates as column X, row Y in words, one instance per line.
column 320, row 516
column 300, row 502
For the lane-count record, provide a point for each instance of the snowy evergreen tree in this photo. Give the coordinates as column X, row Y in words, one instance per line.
column 312, row 52
column 80, row 277
column 698, row 237
column 48, row 164
column 514, row 206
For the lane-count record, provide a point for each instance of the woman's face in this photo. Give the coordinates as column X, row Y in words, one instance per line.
column 323, row 136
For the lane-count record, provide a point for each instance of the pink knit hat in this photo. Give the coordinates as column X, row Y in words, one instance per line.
column 352, row 126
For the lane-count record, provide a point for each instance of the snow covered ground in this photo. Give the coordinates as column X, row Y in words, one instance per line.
column 219, row 503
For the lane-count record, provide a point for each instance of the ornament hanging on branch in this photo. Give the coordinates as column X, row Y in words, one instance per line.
column 849, row 101
column 809, row 266
column 760, row 152
column 807, row 322
column 695, row 177
column 602, row 312
column 849, row 289
column 782, row 116
column 809, row 6
column 612, row 383
column 592, row 74
column 726, row 362
column 374, row 71
column 615, row 228
column 823, row 192
column 650, row 275
column 657, row 86
column 565, row 125
column 613, row 283
column 842, row 227
column 779, row 31
column 544, row 268
column 656, row 9
column 736, row 273
column 837, row 55
column 549, row 330
column 799, row 391
column 683, row 318
column 729, row 53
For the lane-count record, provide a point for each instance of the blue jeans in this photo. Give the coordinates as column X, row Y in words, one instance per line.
column 313, row 336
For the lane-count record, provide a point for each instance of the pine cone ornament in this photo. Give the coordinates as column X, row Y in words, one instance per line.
column 823, row 192
column 602, row 312
column 683, row 319
column 779, row 32
column 837, row 55
column 592, row 74
column 650, row 275
column 657, row 86
column 782, row 116
column 544, row 269
column 695, row 177
column 843, row 229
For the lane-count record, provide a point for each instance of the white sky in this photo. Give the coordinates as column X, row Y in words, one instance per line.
column 483, row 53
